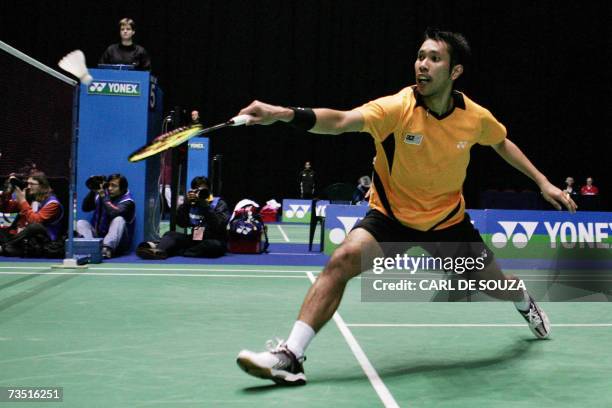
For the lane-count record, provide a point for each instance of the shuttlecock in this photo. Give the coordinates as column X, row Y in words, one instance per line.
column 74, row 62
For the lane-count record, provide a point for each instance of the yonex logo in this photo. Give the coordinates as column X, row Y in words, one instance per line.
column 320, row 210
column 297, row 211
column 114, row 88
column 97, row 87
column 245, row 229
column 413, row 139
column 580, row 233
column 519, row 239
column 197, row 146
column 337, row 235
column 567, row 233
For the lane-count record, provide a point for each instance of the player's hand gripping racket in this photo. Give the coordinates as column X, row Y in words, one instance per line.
column 177, row 136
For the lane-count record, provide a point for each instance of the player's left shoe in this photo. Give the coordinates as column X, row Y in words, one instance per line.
column 536, row 319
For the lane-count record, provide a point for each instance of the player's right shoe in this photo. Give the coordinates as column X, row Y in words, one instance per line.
column 278, row 364
column 536, row 319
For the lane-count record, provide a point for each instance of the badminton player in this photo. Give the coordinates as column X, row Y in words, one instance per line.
column 423, row 135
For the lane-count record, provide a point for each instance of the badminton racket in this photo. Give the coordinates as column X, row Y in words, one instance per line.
column 178, row 136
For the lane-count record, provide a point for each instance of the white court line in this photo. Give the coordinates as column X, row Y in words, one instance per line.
column 429, row 325
column 182, row 275
column 283, row 232
column 292, row 254
column 110, row 268
column 442, row 278
column 379, row 386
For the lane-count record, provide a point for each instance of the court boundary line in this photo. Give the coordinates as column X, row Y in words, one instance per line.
column 295, row 241
column 164, row 275
column 292, row 254
column 180, row 267
column 121, row 268
column 379, row 386
column 468, row 325
column 283, row 233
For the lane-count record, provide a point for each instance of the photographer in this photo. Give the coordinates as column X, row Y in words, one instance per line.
column 206, row 217
column 39, row 220
column 114, row 214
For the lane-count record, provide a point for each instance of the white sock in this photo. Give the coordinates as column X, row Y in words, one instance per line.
column 523, row 305
column 300, row 338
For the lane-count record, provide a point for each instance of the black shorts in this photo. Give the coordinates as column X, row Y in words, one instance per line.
column 459, row 240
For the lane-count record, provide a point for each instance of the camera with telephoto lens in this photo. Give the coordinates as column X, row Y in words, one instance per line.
column 17, row 182
column 94, row 182
column 202, row 194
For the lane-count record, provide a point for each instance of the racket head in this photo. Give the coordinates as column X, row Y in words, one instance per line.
column 165, row 141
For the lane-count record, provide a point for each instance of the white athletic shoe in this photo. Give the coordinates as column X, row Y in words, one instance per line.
column 278, row 364
column 536, row 319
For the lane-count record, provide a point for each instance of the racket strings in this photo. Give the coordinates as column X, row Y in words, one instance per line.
column 174, row 132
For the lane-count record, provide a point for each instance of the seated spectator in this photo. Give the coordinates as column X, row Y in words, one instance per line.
column 589, row 189
column 39, row 218
column 569, row 186
column 114, row 214
column 361, row 192
column 205, row 216
column 195, row 118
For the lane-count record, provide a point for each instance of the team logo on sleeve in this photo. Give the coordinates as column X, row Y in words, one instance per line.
column 413, row 139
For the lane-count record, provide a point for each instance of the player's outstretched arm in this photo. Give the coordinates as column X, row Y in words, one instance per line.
column 515, row 157
column 328, row 121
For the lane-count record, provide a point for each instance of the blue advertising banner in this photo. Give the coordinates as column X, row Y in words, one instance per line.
column 553, row 229
column 296, row 211
column 321, row 209
column 512, row 234
column 299, row 211
column 198, row 153
column 478, row 218
column 339, row 221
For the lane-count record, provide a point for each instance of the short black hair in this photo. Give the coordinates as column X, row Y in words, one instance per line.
column 123, row 183
column 199, row 181
column 458, row 47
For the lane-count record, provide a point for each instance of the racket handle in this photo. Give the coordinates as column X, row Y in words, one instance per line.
column 240, row 120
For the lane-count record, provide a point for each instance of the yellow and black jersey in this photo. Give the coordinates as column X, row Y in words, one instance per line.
column 421, row 158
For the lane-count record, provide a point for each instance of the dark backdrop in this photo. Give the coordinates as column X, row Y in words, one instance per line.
column 541, row 67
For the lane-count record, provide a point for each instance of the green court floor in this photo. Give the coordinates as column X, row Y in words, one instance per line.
column 125, row 335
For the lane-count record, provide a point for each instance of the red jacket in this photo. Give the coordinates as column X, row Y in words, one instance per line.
column 589, row 190
column 45, row 215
